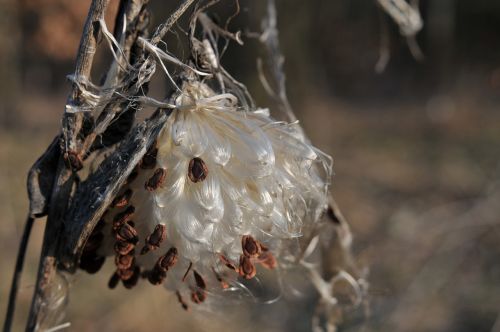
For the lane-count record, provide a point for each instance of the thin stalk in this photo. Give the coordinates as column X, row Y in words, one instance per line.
column 21, row 254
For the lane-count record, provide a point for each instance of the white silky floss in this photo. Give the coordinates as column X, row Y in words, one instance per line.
column 264, row 179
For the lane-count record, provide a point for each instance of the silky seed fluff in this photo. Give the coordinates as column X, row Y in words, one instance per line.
column 228, row 173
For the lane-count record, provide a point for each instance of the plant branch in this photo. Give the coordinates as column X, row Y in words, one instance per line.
column 270, row 39
column 21, row 254
column 65, row 176
column 72, row 122
column 165, row 27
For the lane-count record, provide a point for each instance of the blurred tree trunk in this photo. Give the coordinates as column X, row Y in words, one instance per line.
column 10, row 32
column 441, row 42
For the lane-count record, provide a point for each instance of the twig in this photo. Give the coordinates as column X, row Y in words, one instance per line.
column 72, row 122
column 21, row 254
column 109, row 113
column 132, row 11
column 384, row 52
column 165, row 27
column 270, row 39
column 65, row 176
column 407, row 17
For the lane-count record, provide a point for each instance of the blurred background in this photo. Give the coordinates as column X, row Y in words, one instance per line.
column 416, row 155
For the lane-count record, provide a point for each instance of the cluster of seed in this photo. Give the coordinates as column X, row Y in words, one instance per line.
column 126, row 239
column 124, row 231
column 254, row 252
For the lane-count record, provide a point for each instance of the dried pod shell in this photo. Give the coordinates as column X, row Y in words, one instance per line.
column 251, row 247
column 156, row 180
column 198, row 170
column 247, row 269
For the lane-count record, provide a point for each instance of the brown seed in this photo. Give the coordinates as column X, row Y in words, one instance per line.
column 198, row 170
column 156, row 180
column 73, row 160
column 145, row 274
column 125, row 274
column 127, row 233
column 132, row 281
column 181, row 301
column 263, row 247
column 123, row 247
column 251, row 247
column 124, row 262
column 200, row 282
column 198, row 296
column 122, row 199
column 247, row 269
column 156, row 276
column 154, row 240
column 168, row 260
column 122, row 217
column 91, row 262
column 133, row 175
column 222, row 282
column 228, row 263
column 113, row 281
column 267, row 260
column 94, row 242
column 149, row 159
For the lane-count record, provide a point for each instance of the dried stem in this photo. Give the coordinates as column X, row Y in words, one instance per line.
column 64, row 237
column 270, row 39
column 65, row 176
column 9, row 316
column 72, row 122
column 165, row 27
column 132, row 9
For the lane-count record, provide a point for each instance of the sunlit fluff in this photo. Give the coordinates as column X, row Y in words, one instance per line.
column 264, row 179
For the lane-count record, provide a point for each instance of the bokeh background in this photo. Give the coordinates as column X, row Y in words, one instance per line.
column 416, row 151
